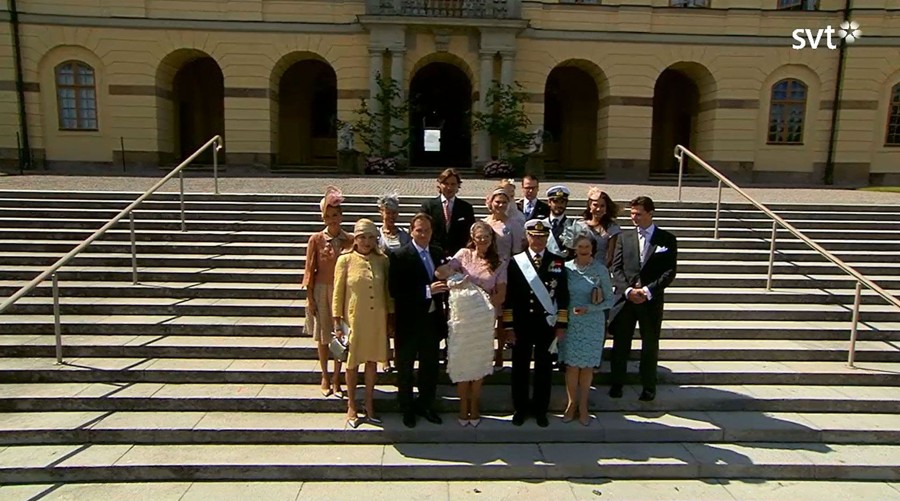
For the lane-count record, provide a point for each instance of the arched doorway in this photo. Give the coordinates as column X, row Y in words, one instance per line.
column 441, row 98
column 571, row 102
column 676, row 109
column 307, row 114
column 198, row 95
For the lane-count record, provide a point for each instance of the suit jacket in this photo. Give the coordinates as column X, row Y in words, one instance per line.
column 541, row 209
column 461, row 220
column 657, row 272
column 408, row 281
column 522, row 308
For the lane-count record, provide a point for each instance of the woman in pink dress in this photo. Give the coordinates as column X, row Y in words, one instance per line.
column 510, row 236
column 469, row 346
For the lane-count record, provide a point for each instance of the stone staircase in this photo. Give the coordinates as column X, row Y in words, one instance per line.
column 201, row 371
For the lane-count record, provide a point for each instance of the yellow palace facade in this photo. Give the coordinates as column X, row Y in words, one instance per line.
column 614, row 84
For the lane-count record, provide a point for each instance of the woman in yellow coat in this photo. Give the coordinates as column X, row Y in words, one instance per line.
column 362, row 303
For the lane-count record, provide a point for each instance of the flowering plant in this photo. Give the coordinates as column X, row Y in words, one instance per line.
column 498, row 168
column 381, row 166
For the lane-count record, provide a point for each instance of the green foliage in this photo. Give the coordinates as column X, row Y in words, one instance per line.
column 385, row 131
column 507, row 122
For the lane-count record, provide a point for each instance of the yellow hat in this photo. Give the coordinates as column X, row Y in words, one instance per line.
column 365, row 227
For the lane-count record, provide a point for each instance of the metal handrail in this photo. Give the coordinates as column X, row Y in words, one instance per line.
column 681, row 151
column 51, row 271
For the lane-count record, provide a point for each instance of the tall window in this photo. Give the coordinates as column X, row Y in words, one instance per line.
column 689, row 3
column 893, row 125
column 797, row 5
column 787, row 109
column 76, row 96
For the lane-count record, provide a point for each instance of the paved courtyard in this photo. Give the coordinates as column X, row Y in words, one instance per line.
column 258, row 181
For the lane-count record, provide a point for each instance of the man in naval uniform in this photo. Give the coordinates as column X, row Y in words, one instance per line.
column 562, row 227
column 536, row 308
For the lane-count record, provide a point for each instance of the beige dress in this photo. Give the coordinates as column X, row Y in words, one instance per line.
column 361, row 294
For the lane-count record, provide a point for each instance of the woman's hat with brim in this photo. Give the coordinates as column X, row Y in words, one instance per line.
column 365, row 227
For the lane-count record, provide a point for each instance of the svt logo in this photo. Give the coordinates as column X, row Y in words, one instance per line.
column 849, row 31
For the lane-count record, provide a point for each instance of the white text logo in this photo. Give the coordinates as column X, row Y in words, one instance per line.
column 849, row 32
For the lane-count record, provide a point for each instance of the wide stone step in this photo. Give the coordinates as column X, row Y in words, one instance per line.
column 215, row 368
column 286, row 291
column 58, row 428
column 311, row 215
column 575, row 489
column 294, row 257
column 402, row 461
column 230, row 307
column 29, row 326
column 117, row 240
column 236, row 397
column 688, row 228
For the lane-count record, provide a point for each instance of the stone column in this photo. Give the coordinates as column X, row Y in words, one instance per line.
column 397, row 57
column 485, row 79
column 507, row 67
column 376, row 61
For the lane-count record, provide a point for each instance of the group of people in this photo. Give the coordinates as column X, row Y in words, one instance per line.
column 526, row 276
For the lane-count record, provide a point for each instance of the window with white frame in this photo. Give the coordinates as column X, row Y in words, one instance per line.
column 893, row 124
column 787, row 112
column 76, row 94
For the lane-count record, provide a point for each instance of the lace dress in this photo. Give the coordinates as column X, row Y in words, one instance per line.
column 474, row 307
column 582, row 346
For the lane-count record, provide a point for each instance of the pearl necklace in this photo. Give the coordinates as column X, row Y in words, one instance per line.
column 581, row 269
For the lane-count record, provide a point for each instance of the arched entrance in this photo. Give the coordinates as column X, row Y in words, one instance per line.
column 307, row 114
column 441, row 98
column 571, row 102
column 198, row 97
column 677, row 115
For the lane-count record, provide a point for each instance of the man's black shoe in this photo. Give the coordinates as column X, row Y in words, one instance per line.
column 542, row 420
column 409, row 419
column 431, row 416
column 518, row 419
column 615, row 391
column 647, row 395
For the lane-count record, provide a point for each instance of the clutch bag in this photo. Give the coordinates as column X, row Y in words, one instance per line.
column 340, row 347
column 596, row 295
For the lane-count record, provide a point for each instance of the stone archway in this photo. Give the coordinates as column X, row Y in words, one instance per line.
column 571, row 106
column 441, row 98
column 678, row 117
column 307, row 114
column 191, row 106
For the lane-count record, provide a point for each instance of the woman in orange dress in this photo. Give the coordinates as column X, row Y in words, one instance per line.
column 322, row 252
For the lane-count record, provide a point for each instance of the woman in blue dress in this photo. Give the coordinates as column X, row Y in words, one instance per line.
column 590, row 298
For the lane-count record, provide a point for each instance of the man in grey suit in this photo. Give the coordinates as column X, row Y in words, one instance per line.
column 644, row 264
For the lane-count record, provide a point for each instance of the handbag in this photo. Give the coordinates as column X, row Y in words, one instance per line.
column 340, row 347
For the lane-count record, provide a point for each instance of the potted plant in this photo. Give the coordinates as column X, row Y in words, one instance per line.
column 384, row 131
column 507, row 123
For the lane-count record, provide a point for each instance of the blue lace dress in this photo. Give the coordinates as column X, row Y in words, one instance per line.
column 582, row 345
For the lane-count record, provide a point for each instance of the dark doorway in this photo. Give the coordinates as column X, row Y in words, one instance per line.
column 199, row 96
column 307, row 114
column 571, row 101
column 441, row 98
column 676, row 100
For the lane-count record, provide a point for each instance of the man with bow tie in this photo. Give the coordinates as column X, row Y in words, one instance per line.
column 644, row 264
column 562, row 227
column 532, row 206
column 536, row 308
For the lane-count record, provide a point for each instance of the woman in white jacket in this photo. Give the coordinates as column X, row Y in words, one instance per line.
column 477, row 279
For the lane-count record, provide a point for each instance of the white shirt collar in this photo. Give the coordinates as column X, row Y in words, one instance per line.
column 445, row 199
column 539, row 255
column 650, row 229
column 419, row 249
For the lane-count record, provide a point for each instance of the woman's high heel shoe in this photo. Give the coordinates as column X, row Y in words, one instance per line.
column 569, row 415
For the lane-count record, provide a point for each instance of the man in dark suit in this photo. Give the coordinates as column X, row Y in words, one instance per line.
column 644, row 264
column 532, row 206
column 536, row 308
column 452, row 217
column 421, row 322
